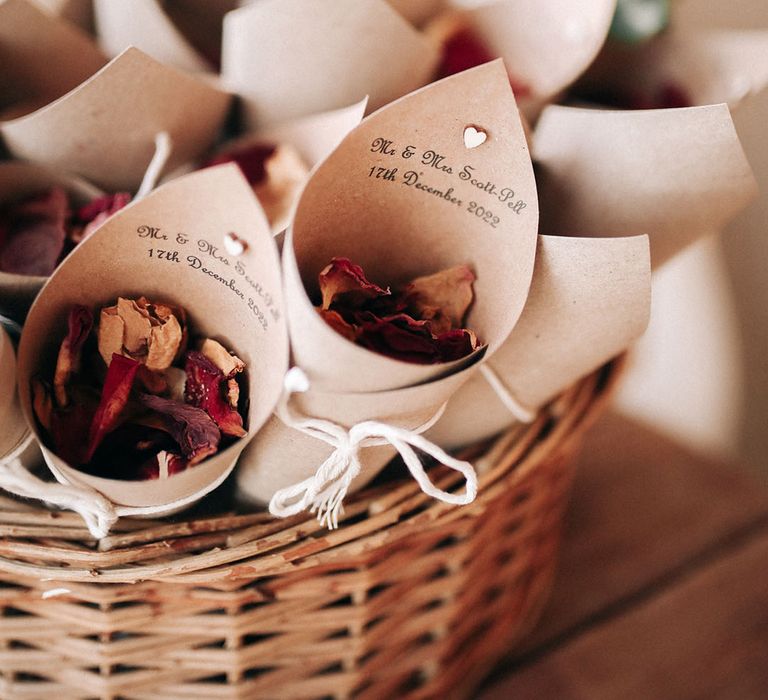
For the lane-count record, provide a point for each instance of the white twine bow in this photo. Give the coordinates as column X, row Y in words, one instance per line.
column 325, row 490
column 97, row 512
column 517, row 409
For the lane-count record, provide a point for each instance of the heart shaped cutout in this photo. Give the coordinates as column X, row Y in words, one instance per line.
column 474, row 137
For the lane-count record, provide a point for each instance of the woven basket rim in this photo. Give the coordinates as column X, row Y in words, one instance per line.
column 224, row 550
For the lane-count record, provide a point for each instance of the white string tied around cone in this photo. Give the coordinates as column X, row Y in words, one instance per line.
column 325, row 490
column 97, row 511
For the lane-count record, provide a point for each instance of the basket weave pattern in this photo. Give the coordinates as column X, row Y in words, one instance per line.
column 409, row 598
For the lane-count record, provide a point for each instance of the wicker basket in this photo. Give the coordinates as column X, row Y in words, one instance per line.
column 409, row 598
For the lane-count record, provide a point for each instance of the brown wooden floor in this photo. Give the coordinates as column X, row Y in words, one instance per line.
column 662, row 591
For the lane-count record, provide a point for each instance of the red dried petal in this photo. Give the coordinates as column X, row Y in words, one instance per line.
column 114, row 398
column 251, row 160
column 80, row 323
column 335, row 320
column 35, row 234
column 92, row 215
column 442, row 298
column 462, row 51
column 456, row 344
column 400, row 337
column 191, row 427
column 207, row 388
column 343, row 282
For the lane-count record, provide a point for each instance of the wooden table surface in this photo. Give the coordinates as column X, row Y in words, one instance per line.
column 662, row 589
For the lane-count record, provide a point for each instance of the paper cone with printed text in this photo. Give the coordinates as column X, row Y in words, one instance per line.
column 589, row 300
column 105, row 128
column 290, row 58
column 235, row 300
column 404, row 196
column 675, row 174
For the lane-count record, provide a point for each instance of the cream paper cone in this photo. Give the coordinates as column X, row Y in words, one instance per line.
column 675, row 174
column 146, row 25
column 589, row 300
column 417, row 12
column 13, row 427
column 545, row 44
column 105, row 129
column 315, row 136
column 312, row 138
column 42, row 56
column 709, row 65
column 290, row 58
column 169, row 247
column 78, row 12
column 280, row 456
column 357, row 204
column 18, row 180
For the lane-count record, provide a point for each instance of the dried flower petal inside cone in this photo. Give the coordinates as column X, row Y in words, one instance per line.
column 80, row 323
column 149, row 333
column 38, row 231
column 35, row 234
column 422, row 323
column 191, row 427
column 207, row 388
column 276, row 172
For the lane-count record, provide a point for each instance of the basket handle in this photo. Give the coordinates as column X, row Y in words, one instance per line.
column 325, row 490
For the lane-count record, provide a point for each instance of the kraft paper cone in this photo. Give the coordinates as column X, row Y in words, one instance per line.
column 79, row 12
column 13, row 427
column 707, row 65
column 42, row 56
column 545, row 44
column 19, row 180
column 290, row 58
column 358, row 205
column 590, row 299
column 280, row 456
column 675, row 174
column 310, row 140
column 105, row 129
column 417, row 12
column 315, row 136
column 235, row 300
column 147, row 25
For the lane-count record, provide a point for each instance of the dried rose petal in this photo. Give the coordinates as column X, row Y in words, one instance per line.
column 343, row 282
column 456, row 344
column 149, row 333
column 91, row 216
column 80, row 323
column 462, row 50
column 227, row 362
column 400, row 337
column 251, row 160
column 286, row 173
column 191, row 427
column 114, row 398
column 206, row 388
column 35, row 234
column 442, row 298
column 336, row 321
